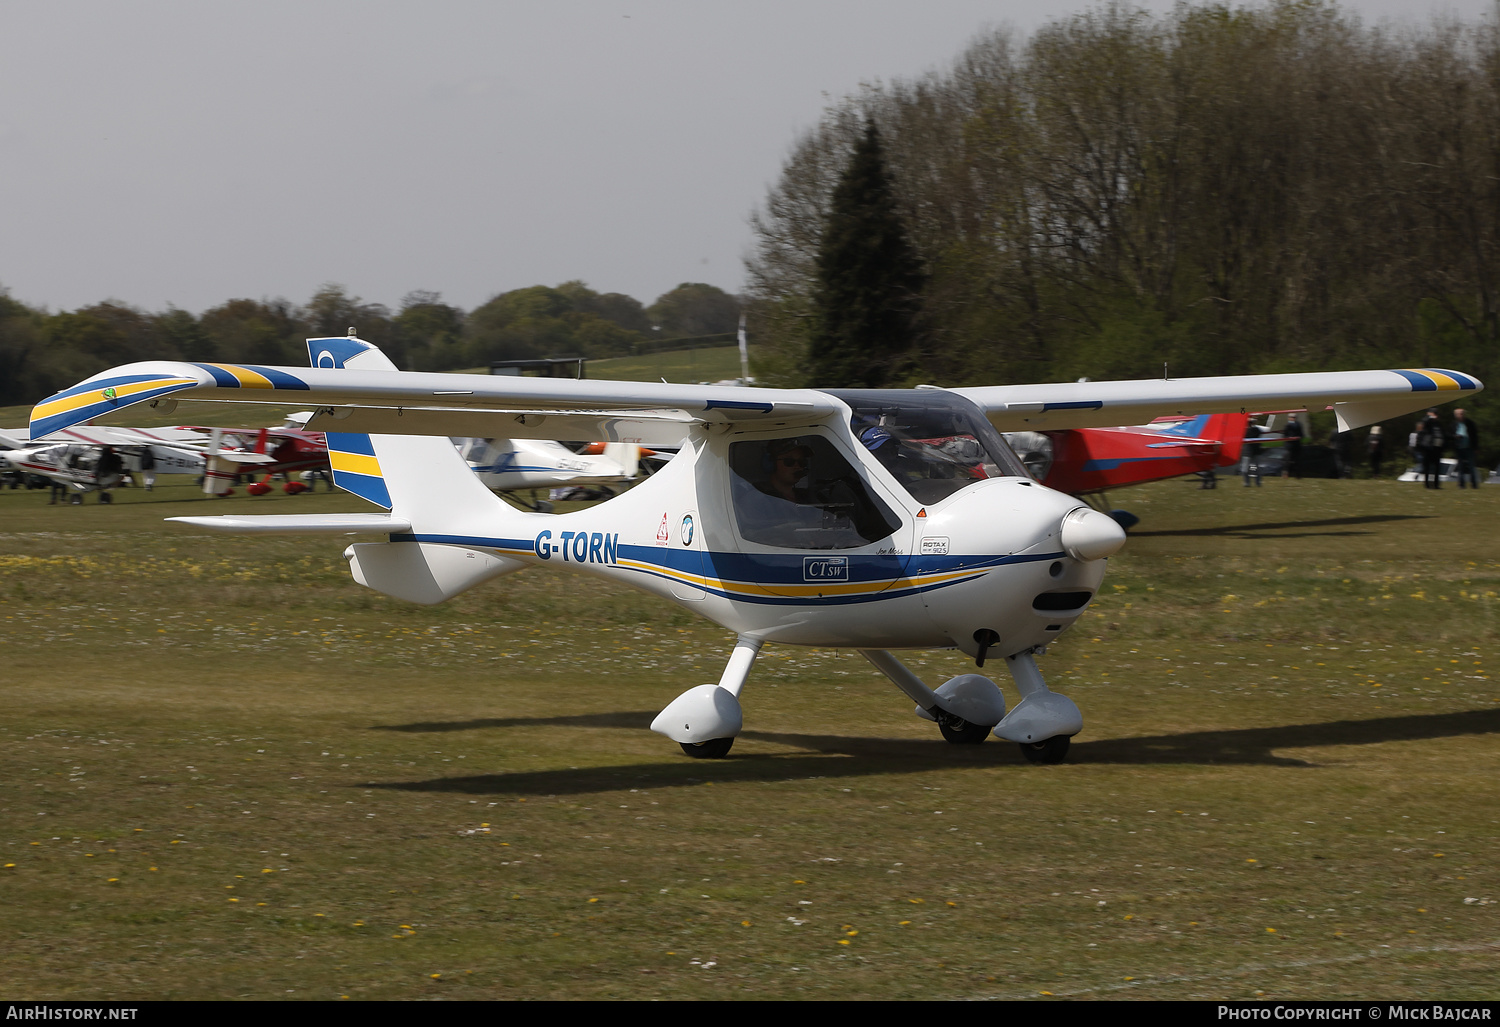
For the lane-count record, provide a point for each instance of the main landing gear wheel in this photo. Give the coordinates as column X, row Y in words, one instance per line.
column 713, row 749
column 964, row 733
column 1052, row 750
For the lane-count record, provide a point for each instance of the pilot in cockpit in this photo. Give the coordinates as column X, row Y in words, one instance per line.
column 789, row 463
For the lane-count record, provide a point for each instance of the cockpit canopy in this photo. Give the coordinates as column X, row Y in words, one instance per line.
column 931, row 441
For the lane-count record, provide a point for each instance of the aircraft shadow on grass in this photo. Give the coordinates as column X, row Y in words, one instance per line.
column 1275, row 529
column 834, row 756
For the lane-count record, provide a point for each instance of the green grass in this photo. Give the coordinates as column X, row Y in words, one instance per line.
column 231, row 772
column 692, row 365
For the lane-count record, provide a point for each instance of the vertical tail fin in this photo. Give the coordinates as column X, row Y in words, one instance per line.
column 1227, row 429
column 421, row 478
column 1230, row 430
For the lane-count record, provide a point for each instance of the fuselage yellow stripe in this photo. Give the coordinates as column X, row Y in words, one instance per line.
column 793, row 589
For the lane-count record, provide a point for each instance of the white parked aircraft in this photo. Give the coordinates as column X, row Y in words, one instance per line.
column 515, row 465
column 76, row 456
column 787, row 516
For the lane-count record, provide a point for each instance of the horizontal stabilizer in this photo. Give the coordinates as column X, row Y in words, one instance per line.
column 300, row 524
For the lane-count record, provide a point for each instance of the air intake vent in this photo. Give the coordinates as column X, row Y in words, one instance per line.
column 1061, row 600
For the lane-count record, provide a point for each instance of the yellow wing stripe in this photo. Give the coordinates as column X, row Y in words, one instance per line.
column 247, row 378
column 355, row 463
column 1442, row 381
column 83, row 399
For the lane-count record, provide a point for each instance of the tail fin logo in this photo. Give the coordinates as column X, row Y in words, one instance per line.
column 334, row 352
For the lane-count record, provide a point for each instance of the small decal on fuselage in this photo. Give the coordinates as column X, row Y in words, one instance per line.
column 662, row 534
column 935, row 545
column 578, row 546
column 687, row 529
column 825, row 568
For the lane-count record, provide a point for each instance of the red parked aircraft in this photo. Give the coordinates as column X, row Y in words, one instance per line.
column 1084, row 461
column 291, row 450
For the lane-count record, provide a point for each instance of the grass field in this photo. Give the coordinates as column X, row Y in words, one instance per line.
column 690, row 365
column 231, row 772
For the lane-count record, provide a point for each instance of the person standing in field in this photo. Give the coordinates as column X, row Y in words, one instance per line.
column 1293, row 433
column 1375, row 446
column 1465, row 447
column 1430, row 442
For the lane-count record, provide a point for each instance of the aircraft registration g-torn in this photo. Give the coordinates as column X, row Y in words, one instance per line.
column 775, row 521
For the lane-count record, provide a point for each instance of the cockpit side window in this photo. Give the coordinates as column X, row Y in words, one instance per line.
column 801, row 493
column 932, row 442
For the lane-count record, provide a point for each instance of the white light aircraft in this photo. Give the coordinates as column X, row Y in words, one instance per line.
column 515, row 465
column 784, row 518
column 72, row 456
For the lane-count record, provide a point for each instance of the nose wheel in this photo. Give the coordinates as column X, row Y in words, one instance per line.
column 1052, row 750
column 713, row 749
column 961, row 732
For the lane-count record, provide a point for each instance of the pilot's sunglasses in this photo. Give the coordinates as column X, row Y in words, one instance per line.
column 794, row 461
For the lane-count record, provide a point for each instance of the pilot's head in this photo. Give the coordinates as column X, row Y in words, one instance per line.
column 789, row 459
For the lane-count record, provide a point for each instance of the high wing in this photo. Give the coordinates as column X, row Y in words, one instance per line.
column 411, row 403
column 1356, row 397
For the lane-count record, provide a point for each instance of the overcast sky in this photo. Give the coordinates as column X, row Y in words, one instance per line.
column 186, row 153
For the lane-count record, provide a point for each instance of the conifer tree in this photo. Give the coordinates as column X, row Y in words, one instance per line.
column 869, row 290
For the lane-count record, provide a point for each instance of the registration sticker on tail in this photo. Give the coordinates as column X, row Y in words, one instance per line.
column 356, row 469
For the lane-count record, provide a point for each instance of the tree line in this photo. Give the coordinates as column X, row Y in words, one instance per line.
column 1214, row 190
column 42, row 352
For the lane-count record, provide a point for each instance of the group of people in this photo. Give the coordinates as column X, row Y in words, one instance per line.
column 1430, row 438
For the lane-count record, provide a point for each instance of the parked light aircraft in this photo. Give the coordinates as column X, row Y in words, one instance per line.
column 514, row 465
column 777, row 520
column 72, row 457
column 287, row 450
column 1086, row 461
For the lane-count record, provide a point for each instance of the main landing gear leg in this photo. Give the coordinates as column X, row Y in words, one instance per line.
column 704, row 720
column 965, row 708
column 1043, row 722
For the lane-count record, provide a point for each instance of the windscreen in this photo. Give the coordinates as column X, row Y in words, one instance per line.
column 933, row 442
